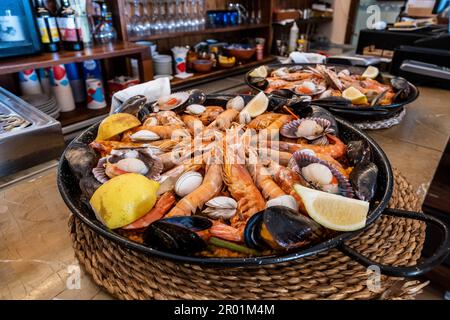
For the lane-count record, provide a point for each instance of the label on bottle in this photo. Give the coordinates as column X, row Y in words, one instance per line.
column 49, row 34
column 83, row 26
column 68, row 29
column 11, row 28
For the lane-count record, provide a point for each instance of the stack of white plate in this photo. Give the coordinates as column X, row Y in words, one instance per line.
column 162, row 64
column 44, row 103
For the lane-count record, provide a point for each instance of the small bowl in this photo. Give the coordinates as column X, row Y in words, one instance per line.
column 227, row 64
column 240, row 53
column 202, row 65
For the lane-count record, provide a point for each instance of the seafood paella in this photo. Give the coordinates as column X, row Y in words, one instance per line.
column 241, row 180
column 333, row 84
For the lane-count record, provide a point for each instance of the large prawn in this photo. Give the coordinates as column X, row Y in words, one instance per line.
column 241, row 187
column 211, row 186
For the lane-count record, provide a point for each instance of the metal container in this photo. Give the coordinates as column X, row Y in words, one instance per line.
column 32, row 139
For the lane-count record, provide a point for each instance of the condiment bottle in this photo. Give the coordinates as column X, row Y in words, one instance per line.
column 293, row 36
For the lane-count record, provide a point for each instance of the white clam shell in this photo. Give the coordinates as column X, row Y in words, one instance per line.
column 195, row 109
column 236, row 103
column 132, row 165
column 222, row 203
column 144, row 135
column 326, row 94
column 244, row 117
column 188, row 182
column 221, row 208
column 151, row 121
column 286, row 200
column 318, row 173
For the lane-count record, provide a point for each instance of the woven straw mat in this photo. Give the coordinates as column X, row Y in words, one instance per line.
column 128, row 274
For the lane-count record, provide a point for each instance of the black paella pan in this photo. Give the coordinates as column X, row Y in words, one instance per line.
column 72, row 196
column 345, row 110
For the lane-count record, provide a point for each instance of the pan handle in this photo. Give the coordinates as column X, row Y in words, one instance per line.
column 378, row 112
column 422, row 267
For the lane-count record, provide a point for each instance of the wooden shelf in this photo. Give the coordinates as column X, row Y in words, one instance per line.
column 81, row 113
column 204, row 31
column 47, row 59
column 315, row 20
column 218, row 73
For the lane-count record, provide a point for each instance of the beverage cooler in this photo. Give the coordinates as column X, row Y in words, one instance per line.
column 18, row 31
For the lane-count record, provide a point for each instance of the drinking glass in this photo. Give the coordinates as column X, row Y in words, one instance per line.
column 145, row 19
column 137, row 27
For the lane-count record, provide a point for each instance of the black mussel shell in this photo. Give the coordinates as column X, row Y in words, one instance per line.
column 295, row 69
column 88, row 184
column 133, row 105
column 196, row 96
column 401, row 87
column 280, row 227
column 364, row 180
column 177, row 234
column 260, row 83
column 314, row 111
column 252, row 235
column 81, row 159
column 284, row 93
column 358, row 151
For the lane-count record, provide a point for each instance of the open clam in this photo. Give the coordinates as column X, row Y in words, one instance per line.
column 318, row 174
column 122, row 161
column 309, row 88
column 314, row 130
column 280, row 227
column 178, row 100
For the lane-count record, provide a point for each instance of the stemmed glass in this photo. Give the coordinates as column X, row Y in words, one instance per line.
column 201, row 13
column 145, row 19
column 137, row 27
column 187, row 24
column 171, row 24
column 194, row 15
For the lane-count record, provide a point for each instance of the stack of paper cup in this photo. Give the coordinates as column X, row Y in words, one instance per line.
column 162, row 64
column 95, row 94
column 44, row 76
column 29, row 82
column 62, row 89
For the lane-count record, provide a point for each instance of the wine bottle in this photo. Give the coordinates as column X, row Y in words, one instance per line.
column 68, row 27
column 48, row 28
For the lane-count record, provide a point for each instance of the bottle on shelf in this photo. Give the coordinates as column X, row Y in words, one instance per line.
column 82, row 20
column 104, row 31
column 302, row 43
column 48, row 28
column 293, row 36
column 69, row 29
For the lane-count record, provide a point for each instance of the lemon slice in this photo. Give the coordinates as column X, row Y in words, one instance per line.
column 257, row 106
column 333, row 211
column 354, row 95
column 124, row 199
column 116, row 124
column 371, row 72
column 260, row 72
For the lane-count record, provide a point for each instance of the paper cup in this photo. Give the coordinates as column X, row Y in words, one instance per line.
column 29, row 82
column 95, row 94
column 62, row 89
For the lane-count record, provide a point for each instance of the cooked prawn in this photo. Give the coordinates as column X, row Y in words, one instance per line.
column 162, row 206
column 211, row 186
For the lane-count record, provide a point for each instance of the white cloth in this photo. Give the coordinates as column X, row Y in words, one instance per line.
column 152, row 90
column 306, row 57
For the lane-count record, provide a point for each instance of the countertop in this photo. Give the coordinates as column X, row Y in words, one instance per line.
column 36, row 257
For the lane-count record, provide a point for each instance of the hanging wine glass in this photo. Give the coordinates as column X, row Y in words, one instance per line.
column 136, row 22
column 194, row 15
column 186, row 15
column 171, row 25
column 145, row 20
column 201, row 13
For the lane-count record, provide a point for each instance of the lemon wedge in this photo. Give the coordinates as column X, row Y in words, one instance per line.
column 260, row 72
column 371, row 72
column 257, row 106
column 116, row 124
column 124, row 199
column 333, row 211
column 354, row 95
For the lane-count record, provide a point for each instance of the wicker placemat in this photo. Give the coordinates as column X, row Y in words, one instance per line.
column 381, row 124
column 128, row 274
